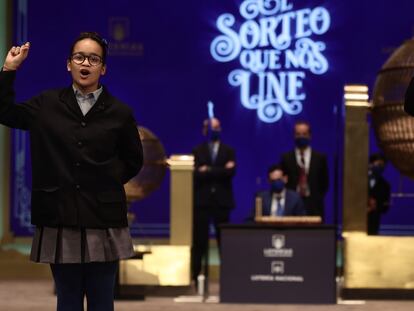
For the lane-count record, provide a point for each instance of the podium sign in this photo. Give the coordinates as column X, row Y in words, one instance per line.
column 269, row 264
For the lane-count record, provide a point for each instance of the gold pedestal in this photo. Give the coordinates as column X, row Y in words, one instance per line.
column 165, row 265
column 181, row 199
column 378, row 261
column 168, row 265
column 374, row 266
column 378, row 267
column 356, row 153
column 16, row 266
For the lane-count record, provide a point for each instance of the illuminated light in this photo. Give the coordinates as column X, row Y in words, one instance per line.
column 356, row 96
column 358, row 104
column 355, row 88
column 275, row 50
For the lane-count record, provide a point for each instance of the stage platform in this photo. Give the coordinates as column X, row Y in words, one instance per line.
column 19, row 295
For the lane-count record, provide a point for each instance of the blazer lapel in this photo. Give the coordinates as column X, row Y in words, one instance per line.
column 294, row 163
column 100, row 105
column 68, row 97
column 219, row 153
column 311, row 166
column 288, row 203
column 206, row 153
column 269, row 201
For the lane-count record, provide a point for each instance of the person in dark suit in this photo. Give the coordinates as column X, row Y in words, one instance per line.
column 379, row 193
column 409, row 98
column 214, row 169
column 278, row 200
column 84, row 147
column 307, row 171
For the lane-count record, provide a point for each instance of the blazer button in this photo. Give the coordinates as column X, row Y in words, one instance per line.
column 83, row 124
column 77, row 164
column 77, row 187
column 80, row 144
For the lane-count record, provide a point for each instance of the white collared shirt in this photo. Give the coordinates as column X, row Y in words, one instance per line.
column 307, row 157
column 282, row 198
column 86, row 101
column 214, row 149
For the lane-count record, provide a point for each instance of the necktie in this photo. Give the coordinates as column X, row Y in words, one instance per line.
column 303, row 178
column 302, row 158
column 279, row 207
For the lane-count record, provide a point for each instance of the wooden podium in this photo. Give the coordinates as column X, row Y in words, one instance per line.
column 289, row 220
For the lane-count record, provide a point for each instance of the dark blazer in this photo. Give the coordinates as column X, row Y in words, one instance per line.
column 79, row 163
column 381, row 192
column 409, row 98
column 318, row 179
column 213, row 187
column 293, row 203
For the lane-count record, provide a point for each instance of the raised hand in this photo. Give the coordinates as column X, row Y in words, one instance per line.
column 16, row 56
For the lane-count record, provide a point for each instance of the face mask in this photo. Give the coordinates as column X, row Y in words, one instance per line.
column 377, row 170
column 213, row 135
column 302, row 142
column 277, row 185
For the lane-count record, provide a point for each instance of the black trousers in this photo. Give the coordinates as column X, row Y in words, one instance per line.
column 203, row 216
column 94, row 280
column 373, row 222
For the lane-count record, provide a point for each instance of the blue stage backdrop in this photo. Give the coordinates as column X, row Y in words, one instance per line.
column 264, row 65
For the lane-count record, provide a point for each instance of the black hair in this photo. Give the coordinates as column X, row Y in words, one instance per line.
column 377, row 156
column 275, row 167
column 95, row 37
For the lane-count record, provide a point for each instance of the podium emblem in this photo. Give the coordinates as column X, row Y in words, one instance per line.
column 278, row 267
column 278, row 241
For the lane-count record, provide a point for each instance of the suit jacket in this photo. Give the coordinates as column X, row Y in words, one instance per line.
column 381, row 192
column 79, row 163
column 293, row 203
column 318, row 179
column 409, row 98
column 214, row 187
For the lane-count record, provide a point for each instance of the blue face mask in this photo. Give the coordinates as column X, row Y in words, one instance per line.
column 277, row 185
column 377, row 170
column 302, row 142
column 213, row 135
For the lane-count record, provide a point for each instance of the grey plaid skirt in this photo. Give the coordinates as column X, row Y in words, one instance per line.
column 75, row 245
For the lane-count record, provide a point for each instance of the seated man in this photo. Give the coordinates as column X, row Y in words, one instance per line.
column 278, row 200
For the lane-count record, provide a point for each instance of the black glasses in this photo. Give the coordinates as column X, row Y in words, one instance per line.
column 93, row 59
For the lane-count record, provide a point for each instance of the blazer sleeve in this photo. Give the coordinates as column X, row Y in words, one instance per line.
column 222, row 172
column 383, row 196
column 19, row 116
column 284, row 164
column 289, row 166
column 324, row 174
column 299, row 208
column 214, row 172
column 130, row 150
column 409, row 98
column 252, row 213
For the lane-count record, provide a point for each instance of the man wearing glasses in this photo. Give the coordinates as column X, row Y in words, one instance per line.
column 84, row 147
